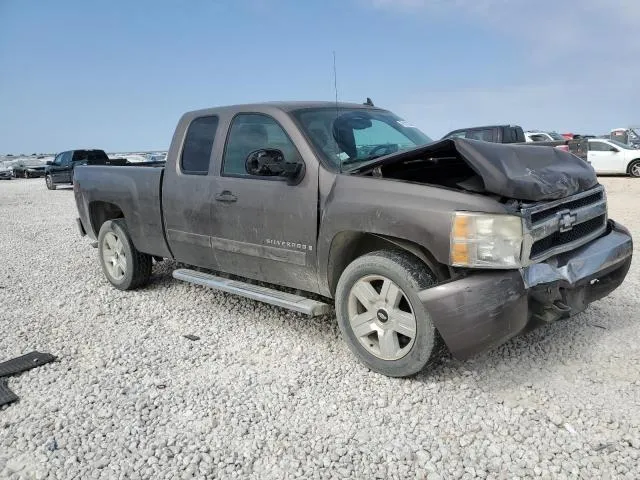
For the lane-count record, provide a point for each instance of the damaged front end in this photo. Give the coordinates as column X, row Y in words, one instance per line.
column 483, row 309
column 570, row 252
column 509, row 171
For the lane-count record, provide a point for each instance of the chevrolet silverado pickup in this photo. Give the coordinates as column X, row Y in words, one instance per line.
column 417, row 243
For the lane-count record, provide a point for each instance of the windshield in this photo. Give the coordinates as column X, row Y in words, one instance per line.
column 350, row 137
column 556, row 136
column 30, row 163
column 621, row 145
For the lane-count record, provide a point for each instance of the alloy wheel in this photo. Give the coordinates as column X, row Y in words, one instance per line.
column 114, row 256
column 381, row 317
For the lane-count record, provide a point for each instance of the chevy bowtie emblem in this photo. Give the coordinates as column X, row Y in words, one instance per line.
column 567, row 220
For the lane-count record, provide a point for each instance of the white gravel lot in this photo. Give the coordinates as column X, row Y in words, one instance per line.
column 269, row 394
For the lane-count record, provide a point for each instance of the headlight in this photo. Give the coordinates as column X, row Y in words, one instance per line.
column 480, row 240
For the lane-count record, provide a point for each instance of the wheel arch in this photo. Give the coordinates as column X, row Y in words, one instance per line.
column 100, row 212
column 635, row 160
column 349, row 245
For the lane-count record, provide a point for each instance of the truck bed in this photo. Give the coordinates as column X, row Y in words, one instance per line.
column 135, row 191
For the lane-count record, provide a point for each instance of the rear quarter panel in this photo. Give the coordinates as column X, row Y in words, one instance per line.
column 136, row 191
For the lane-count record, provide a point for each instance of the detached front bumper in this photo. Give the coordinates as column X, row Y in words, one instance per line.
column 485, row 309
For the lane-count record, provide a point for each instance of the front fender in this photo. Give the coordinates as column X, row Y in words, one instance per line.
column 420, row 214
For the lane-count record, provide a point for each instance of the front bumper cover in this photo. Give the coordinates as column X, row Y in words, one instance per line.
column 485, row 309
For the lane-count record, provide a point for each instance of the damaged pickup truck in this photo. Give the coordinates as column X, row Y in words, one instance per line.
column 417, row 242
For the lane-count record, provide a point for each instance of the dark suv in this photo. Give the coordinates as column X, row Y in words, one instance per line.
column 60, row 170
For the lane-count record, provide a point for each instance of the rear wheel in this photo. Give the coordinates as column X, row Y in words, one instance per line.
column 380, row 315
column 49, row 181
column 634, row 168
column 123, row 265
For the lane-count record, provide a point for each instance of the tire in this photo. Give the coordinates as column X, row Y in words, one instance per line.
column 49, row 181
column 400, row 355
column 634, row 169
column 26, row 174
column 124, row 266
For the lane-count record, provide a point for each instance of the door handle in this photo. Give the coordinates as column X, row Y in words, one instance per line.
column 226, row 196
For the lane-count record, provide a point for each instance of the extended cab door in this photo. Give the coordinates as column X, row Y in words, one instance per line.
column 264, row 228
column 188, row 188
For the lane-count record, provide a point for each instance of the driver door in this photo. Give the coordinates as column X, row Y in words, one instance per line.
column 602, row 157
column 264, row 228
column 58, row 166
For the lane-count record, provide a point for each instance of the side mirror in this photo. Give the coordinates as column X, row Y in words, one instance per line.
column 613, row 149
column 270, row 162
column 49, row 162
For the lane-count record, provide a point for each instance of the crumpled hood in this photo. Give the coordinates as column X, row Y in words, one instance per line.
column 518, row 171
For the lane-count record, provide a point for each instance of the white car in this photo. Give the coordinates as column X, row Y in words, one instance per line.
column 540, row 136
column 611, row 156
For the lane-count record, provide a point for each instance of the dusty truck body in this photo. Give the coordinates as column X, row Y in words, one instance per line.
column 416, row 242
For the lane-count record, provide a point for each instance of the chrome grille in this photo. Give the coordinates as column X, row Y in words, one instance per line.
column 562, row 225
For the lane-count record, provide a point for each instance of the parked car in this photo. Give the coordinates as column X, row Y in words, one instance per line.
column 5, row 172
column 28, row 168
column 415, row 241
column 61, row 169
column 490, row 133
column 514, row 134
column 611, row 156
column 540, row 136
column 629, row 136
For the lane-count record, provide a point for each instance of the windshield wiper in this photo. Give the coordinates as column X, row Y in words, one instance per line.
column 360, row 160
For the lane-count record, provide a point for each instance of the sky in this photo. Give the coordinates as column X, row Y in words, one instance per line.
column 118, row 75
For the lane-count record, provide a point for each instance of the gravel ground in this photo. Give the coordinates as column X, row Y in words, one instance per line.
column 270, row 394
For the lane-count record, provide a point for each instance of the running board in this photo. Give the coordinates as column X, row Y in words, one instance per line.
column 310, row 307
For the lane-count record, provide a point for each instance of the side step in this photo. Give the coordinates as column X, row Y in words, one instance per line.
column 310, row 307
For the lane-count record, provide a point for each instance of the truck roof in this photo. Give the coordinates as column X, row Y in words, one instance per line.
column 286, row 106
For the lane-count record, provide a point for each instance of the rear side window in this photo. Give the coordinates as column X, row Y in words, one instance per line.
column 538, row 137
column 198, row 144
column 91, row 155
column 514, row 135
column 486, row 135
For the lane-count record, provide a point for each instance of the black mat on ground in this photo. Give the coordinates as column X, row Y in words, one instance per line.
column 6, row 395
column 24, row 363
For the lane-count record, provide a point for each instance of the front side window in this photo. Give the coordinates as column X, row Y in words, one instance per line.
column 66, row 159
column 348, row 138
column 198, row 143
column 624, row 146
column 599, row 147
column 460, row 134
column 250, row 132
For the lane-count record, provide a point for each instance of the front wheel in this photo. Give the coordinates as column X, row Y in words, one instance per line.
column 380, row 315
column 634, row 169
column 49, row 181
column 123, row 265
